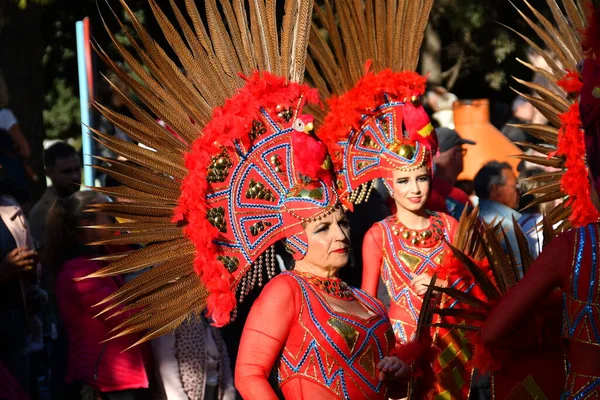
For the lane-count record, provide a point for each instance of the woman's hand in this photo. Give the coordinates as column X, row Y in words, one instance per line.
column 420, row 283
column 15, row 262
column 392, row 368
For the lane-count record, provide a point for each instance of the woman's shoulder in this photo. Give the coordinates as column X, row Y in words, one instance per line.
column 286, row 281
column 7, row 118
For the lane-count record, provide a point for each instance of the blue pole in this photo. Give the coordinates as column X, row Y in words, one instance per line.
column 84, row 107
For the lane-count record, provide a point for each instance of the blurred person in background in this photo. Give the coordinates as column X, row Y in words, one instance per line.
column 448, row 164
column 14, row 152
column 18, row 285
column 192, row 363
column 531, row 216
column 95, row 369
column 63, row 167
column 499, row 194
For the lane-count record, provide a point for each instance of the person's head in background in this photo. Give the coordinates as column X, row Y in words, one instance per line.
column 4, row 97
column 449, row 162
column 63, row 167
column 497, row 182
column 66, row 228
column 526, row 185
column 523, row 109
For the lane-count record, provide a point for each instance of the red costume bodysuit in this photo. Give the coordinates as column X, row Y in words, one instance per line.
column 320, row 353
column 398, row 254
column 571, row 262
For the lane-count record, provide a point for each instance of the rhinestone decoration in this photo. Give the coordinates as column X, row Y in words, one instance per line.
column 277, row 164
column 219, row 168
column 258, row 128
column 334, row 287
column 259, row 227
column 254, row 275
column 368, row 142
column 257, row 190
column 285, row 114
column 231, row 263
column 216, row 216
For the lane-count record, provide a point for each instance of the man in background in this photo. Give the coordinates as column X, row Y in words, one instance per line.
column 63, row 167
column 445, row 197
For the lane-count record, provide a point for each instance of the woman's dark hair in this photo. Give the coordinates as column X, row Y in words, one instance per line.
column 62, row 224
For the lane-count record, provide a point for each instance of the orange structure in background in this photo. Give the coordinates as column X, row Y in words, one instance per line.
column 472, row 122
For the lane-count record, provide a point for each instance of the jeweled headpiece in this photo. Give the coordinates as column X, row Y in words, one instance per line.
column 374, row 123
column 378, row 127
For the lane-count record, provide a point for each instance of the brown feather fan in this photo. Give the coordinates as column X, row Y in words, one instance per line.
column 237, row 37
column 561, row 49
column 387, row 32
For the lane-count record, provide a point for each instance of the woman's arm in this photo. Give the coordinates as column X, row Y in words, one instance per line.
column 545, row 274
column 264, row 336
column 372, row 254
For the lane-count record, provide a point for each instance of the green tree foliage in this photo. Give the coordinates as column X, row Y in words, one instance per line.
column 476, row 52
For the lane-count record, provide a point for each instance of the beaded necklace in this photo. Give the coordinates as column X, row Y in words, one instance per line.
column 427, row 237
column 333, row 287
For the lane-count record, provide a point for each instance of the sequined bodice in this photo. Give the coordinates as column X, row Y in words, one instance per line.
column 335, row 350
column 581, row 318
column 407, row 253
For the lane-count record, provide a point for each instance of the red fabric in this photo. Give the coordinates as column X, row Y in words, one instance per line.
column 291, row 321
column 421, row 355
column 116, row 369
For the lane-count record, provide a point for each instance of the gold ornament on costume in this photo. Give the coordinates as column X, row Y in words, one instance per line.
column 231, row 263
column 257, row 190
column 402, row 149
column 219, row 168
column 258, row 128
column 216, row 216
column 346, row 331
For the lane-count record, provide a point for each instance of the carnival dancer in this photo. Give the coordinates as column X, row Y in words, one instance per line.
column 254, row 174
column 376, row 128
column 569, row 261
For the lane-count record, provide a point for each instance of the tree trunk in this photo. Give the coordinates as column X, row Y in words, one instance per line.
column 21, row 52
column 431, row 56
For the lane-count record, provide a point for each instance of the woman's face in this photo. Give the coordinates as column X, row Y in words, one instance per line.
column 328, row 242
column 411, row 188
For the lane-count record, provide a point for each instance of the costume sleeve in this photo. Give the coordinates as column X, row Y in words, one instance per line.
column 265, row 334
column 545, row 274
column 372, row 254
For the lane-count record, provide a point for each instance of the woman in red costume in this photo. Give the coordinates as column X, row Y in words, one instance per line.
column 571, row 260
column 326, row 339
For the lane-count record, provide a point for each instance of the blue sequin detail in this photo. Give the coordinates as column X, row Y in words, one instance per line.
column 578, row 258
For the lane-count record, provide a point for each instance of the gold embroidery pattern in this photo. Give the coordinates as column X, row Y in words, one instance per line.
column 347, row 332
column 367, row 361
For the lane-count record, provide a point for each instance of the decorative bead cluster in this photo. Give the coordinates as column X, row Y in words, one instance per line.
column 219, row 168
column 257, row 190
column 255, row 274
column 421, row 238
column 258, row 227
column 277, row 164
column 334, row 287
column 231, row 263
column 216, row 216
column 285, row 114
column 326, row 211
column 258, row 129
column 361, row 193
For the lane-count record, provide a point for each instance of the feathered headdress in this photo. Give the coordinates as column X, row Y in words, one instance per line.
column 568, row 145
column 374, row 122
column 244, row 171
